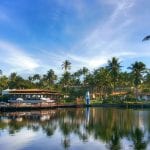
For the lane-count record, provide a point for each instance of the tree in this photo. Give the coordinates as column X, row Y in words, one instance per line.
column 125, row 81
column 1, row 72
column 102, row 80
column 146, row 38
column 147, row 81
column 114, row 69
column 85, row 71
column 36, row 77
column 66, row 79
column 66, row 65
column 137, row 70
column 3, row 83
column 51, row 78
column 13, row 76
column 17, row 82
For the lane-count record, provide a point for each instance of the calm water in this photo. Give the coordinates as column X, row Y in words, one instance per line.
column 75, row 129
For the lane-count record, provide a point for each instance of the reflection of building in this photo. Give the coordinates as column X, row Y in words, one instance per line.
column 31, row 95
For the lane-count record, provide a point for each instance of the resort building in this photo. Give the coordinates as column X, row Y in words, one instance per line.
column 31, row 95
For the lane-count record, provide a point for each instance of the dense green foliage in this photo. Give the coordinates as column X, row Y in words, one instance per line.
column 101, row 82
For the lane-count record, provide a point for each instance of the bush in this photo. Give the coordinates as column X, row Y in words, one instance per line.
column 4, row 98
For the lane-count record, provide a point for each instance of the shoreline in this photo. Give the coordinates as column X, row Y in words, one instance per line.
column 29, row 108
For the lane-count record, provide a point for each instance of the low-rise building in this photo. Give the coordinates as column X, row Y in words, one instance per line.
column 31, row 95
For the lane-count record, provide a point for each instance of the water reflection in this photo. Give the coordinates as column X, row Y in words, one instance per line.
column 112, row 129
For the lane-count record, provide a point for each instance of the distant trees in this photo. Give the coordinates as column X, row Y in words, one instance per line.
column 17, row 82
column 102, row 81
column 51, row 77
column 36, row 77
column 137, row 70
column 1, row 72
column 147, row 80
column 3, row 82
column 114, row 69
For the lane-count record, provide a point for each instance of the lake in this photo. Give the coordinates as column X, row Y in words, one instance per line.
column 76, row 129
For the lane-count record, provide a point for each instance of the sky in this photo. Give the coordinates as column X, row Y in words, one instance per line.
column 38, row 35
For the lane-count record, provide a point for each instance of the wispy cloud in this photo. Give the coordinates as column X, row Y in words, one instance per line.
column 86, row 34
column 106, row 39
column 16, row 58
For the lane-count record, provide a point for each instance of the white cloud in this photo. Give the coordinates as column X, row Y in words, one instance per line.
column 107, row 39
column 16, row 58
column 18, row 141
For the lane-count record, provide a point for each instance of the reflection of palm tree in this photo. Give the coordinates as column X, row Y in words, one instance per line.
column 35, row 127
column 66, row 129
column 50, row 128
column 66, row 142
column 115, row 141
column 15, row 127
column 137, row 137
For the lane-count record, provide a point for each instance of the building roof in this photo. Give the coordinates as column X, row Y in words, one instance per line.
column 32, row 91
column 119, row 93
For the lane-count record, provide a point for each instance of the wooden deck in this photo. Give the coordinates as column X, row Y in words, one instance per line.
column 53, row 106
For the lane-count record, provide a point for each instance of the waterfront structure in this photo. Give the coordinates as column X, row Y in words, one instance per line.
column 31, row 95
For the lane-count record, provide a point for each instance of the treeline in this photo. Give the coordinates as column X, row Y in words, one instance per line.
column 103, row 81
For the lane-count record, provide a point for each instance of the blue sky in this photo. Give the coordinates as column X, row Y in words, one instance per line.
column 36, row 35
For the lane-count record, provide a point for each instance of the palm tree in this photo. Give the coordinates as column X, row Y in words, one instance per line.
column 36, row 77
column 1, row 72
column 146, row 38
column 85, row 71
column 13, row 76
column 137, row 70
column 114, row 69
column 147, row 80
column 66, row 79
column 66, row 65
column 51, row 77
column 30, row 78
column 102, row 81
column 3, row 83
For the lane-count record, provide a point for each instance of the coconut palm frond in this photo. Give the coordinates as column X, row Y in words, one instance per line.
column 146, row 38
